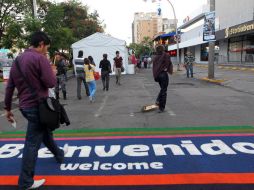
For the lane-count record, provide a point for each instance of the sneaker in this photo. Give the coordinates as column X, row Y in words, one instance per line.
column 37, row 184
column 91, row 99
column 161, row 111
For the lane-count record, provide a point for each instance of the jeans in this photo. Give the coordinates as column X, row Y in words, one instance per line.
column 189, row 70
column 118, row 75
column 61, row 84
column 162, row 96
column 80, row 79
column 92, row 88
column 35, row 135
column 105, row 79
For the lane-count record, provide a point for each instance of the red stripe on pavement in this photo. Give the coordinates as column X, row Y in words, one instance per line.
column 169, row 179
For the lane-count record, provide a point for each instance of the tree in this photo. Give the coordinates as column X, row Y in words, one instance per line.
column 143, row 48
column 8, row 13
column 62, row 37
column 76, row 18
column 65, row 23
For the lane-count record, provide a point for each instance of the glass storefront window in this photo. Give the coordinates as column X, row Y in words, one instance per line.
column 248, row 49
column 241, row 49
column 235, row 51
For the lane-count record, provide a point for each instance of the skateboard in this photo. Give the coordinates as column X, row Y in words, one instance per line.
column 148, row 108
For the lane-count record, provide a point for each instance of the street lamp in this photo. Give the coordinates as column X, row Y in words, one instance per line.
column 177, row 37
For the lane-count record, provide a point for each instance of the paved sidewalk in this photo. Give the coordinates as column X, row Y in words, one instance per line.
column 240, row 79
column 237, row 78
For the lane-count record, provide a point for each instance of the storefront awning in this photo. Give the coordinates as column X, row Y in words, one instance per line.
column 168, row 35
column 165, row 35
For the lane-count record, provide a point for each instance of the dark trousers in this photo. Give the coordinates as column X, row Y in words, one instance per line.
column 105, row 79
column 61, row 84
column 162, row 96
column 35, row 135
column 80, row 79
column 145, row 65
column 189, row 70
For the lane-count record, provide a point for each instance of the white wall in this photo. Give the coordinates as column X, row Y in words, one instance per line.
column 234, row 12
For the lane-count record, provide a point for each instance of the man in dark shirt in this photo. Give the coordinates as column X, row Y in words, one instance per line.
column 36, row 68
column 118, row 63
column 60, row 75
column 162, row 65
column 105, row 70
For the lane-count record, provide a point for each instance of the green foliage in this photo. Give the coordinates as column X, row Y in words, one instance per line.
column 9, row 10
column 13, row 33
column 143, row 48
column 81, row 23
column 65, row 23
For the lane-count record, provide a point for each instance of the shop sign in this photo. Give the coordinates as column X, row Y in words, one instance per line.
column 239, row 29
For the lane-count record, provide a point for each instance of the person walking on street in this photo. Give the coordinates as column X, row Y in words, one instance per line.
column 134, row 61
column 36, row 68
column 89, row 70
column 91, row 60
column 188, row 64
column 162, row 65
column 118, row 63
column 145, row 62
column 105, row 71
column 61, row 82
column 80, row 74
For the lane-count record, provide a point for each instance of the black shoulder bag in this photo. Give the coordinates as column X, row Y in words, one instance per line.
column 51, row 112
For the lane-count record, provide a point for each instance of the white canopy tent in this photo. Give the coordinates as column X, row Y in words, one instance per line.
column 98, row 44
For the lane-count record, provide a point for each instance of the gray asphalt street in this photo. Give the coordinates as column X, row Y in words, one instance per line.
column 191, row 102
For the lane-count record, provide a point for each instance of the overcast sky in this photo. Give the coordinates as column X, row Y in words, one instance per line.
column 118, row 15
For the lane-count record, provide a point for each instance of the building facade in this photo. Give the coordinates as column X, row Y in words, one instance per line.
column 149, row 25
column 235, row 34
column 234, row 25
column 145, row 25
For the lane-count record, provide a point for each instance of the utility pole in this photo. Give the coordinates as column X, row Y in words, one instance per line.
column 177, row 37
column 211, row 48
column 35, row 8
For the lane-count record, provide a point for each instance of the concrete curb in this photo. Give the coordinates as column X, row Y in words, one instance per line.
column 214, row 81
column 228, row 68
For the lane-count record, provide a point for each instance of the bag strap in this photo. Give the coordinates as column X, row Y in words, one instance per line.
column 32, row 89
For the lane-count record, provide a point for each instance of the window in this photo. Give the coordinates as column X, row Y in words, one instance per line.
column 204, row 52
column 248, row 49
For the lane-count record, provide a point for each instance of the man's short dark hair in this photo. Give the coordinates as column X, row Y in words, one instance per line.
column 117, row 52
column 160, row 49
column 105, row 56
column 38, row 37
column 80, row 54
